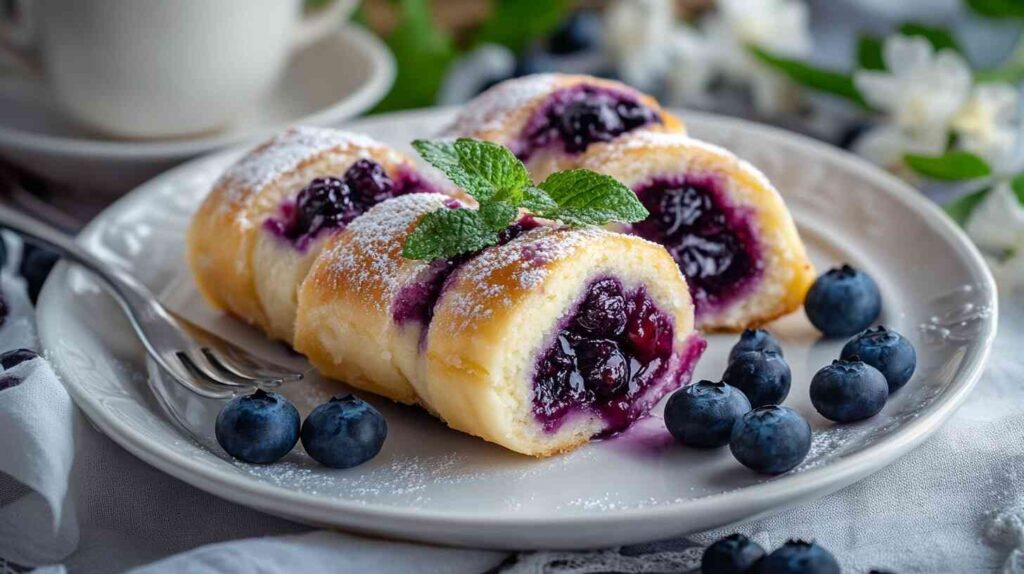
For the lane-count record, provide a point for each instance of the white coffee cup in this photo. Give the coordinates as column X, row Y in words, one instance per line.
column 161, row 68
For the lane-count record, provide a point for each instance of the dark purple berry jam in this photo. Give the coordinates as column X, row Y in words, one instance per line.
column 613, row 357
column 578, row 116
column 331, row 203
column 713, row 242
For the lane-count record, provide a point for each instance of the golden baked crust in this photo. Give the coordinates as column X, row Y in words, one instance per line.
column 228, row 225
column 787, row 274
column 501, row 113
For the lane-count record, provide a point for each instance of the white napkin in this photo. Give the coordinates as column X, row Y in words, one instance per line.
column 37, row 447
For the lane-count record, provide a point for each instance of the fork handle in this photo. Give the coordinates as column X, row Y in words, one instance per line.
column 129, row 291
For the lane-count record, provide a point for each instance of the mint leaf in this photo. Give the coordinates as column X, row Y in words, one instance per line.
column 587, row 198
column 960, row 209
column 484, row 170
column 821, row 79
column 952, row 166
column 869, row 53
column 498, row 215
column 940, row 38
column 447, row 233
column 537, row 200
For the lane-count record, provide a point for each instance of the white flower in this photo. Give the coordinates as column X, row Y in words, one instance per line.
column 638, row 36
column 691, row 67
column 988, row 124
column 997, row 226
column 777, row 26
column 919, row 92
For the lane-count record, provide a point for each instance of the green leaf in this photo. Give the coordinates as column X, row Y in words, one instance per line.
column 951, row 166
column 998, row 8
column 537, row 200
column 939, row 38
column 869, row 53
column 516, row 23
column 808, row 75
column 484, row 170
column 498, row 215
column 422, row 52
column 1017, row 185
column 588, row 198
column 960, row 209
column 447, row 233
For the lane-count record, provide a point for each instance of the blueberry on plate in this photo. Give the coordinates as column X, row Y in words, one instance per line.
column 886, row 350
column 734, row 554
column 771, row 440
column 799, row 557
column 848, row 391
column 755, row 340
column 16, row 357
column 843, row 301
column 36, row 264
column 259, row 428
column 763, row 376
column 703, row 414
column 344, row 432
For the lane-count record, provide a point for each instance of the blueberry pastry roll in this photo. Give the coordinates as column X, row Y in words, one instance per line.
column 256, row 234
column 363, row 308
column 549, row 119
column 719, row 218
column 556, row 337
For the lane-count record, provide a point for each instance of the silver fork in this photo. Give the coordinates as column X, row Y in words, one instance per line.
column 197, row 359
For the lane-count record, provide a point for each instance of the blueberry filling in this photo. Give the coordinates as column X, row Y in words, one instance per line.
column 713, row 242
column 581, row 115
column 609, row 353
column 331, row 203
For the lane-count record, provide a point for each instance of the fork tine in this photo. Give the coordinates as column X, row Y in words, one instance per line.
column 208, row 373
column 245, row 365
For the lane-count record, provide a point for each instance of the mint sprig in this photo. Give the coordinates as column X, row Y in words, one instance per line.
column 499, row 182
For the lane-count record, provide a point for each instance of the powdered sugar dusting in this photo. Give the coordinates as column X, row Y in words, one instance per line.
column 285, row 152
column 491, row 109
column 521, row 264
column 371, row 257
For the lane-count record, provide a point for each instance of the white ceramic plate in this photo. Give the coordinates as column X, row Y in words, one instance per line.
column 333, row 79
column 434, row 484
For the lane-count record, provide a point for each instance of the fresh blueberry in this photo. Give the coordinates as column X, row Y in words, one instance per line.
column 9, row 381
column 886, row 350
column 16, row 357
column 36, row 263
column 755, row 340
column 734, row 554
column 259, row 428
column 843, row 301
column 763, row 376
column 344, row 432
column 799, row 557
column 604, row 369
column 848, row 391
column 703, row 414
column 771, row 440
column 580, row 32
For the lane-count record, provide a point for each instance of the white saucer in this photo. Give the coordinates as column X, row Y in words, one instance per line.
column 331, row 80
column 434, row 484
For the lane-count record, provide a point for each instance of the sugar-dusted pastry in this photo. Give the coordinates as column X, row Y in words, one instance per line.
column 537, row 344
column 547, row 120
column 259, row 230
column 720, row 218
